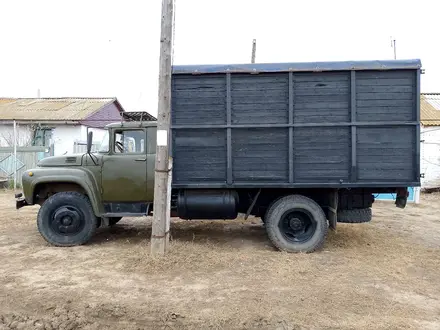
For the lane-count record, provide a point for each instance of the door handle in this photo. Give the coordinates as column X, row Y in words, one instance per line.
column 140, row 159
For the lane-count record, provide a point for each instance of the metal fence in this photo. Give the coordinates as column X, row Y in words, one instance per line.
column 27, row 157
column 81, row 147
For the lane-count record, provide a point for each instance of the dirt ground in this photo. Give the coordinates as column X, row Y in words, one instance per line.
column 224, row 275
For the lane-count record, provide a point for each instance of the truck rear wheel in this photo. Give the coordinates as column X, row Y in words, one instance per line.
column 296, row 223
column 66, row 219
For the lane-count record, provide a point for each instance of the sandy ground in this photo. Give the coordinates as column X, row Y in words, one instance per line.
column 224, row 275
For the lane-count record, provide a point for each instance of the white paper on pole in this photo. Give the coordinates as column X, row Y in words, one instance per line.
column 162, row 137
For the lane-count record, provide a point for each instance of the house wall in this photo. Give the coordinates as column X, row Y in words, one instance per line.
column 98, row 134
column 108, row 114
column 430, row 156
column 63, row 136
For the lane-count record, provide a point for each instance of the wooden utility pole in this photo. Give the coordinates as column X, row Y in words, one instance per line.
column 254, row 50
column 162, row 182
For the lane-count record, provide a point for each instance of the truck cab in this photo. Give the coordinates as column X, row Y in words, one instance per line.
column 96, row 187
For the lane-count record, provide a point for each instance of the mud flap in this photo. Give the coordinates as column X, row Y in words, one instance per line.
column 333, row 209
column 20, row 202
column 105, row 222
column 401, row 197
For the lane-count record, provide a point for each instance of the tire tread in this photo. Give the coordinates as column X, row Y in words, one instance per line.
column 355, row 215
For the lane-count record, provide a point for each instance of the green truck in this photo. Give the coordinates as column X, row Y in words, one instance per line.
column 300, row 145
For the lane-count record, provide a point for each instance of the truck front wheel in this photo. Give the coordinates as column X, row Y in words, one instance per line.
column 296, row 223
column 66, row 219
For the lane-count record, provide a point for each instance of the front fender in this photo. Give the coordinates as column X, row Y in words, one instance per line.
column 80, row 176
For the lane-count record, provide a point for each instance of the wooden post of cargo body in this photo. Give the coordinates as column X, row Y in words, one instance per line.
column 161, row 214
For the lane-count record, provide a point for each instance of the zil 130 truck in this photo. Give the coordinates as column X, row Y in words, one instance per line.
column 300, row 145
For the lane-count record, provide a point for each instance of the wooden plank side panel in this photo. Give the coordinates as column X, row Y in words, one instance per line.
column 260, row 155
column 261, row 98
column 200, row 155
column 318, row 154
column 198, row 99
column 322, row 155
column 385, row 153
column 321, row 97
column 384, row 96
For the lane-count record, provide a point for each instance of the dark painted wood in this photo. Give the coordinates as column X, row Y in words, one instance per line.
column 383, row 150
column 353, row 116
column 200, row 156
column 417, row 118
column 248, row 184
column 200, row 100
column 321, row 156
column 321, row 98
column 228, row 130
column 309, row 125
column 260, row 154
column 291, row 114
column 302, row 129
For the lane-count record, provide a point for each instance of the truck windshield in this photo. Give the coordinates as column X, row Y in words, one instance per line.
column 104, row 146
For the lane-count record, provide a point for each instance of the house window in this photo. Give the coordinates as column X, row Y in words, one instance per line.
column 42, row 137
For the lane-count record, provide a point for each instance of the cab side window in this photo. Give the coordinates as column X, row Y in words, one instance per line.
column 129, row 141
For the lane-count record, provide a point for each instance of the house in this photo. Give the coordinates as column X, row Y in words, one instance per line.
column 59, row 124
column 430, row 140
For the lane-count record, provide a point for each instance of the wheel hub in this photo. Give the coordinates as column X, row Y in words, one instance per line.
column 296, row 223
column 67, row 220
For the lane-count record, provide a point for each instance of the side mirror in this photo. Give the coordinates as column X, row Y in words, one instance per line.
column 89, row 142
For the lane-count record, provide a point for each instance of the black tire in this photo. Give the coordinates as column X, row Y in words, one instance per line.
column 67, row 219
column 355, row 216
column 288, row 217
column 113, row 221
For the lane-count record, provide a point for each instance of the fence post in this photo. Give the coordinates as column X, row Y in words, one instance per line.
column 15, row 155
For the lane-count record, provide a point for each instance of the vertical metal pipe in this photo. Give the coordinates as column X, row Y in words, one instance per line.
column 15, row 155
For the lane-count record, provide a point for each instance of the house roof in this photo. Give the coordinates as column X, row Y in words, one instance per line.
column 52, row 109
column 430, row 109
column 138, row 116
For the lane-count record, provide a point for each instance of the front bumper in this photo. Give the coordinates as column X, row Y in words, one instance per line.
column 20, row 201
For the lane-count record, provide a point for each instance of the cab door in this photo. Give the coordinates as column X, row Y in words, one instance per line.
column 124, row 169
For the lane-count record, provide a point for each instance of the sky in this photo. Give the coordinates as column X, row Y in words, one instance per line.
column 109, row 48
